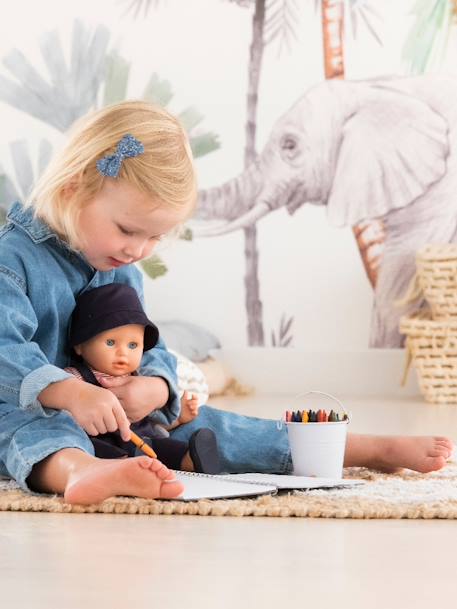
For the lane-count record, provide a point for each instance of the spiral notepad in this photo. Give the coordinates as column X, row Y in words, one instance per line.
column 205, row 486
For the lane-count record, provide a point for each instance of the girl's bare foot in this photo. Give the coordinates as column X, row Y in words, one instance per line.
column 388, row 453
column 136, row 477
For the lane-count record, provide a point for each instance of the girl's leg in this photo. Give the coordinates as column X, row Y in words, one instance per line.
column 246, row 444
column 53, row 454
column 249, row 444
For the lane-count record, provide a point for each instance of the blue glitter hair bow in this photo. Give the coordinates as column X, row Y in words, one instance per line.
column 110, row 165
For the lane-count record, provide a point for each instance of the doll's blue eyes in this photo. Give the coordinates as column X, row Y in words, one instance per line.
column 111, row 342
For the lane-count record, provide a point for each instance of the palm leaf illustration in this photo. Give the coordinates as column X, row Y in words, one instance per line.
column 7, row 193
column 281, row 23
column 154, row 266
column 283, row 337
column 429, row 34
column 116, row 78
column 365, row 12
column 136, row 7
column 160, row 91
column 24, row 173
column 70, row 90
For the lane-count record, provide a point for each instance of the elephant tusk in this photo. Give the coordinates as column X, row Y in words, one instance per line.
column 248, row 219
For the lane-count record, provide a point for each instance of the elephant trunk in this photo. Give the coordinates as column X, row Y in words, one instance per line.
column 235, row 204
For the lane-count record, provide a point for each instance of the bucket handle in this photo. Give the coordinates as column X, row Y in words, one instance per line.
column 328, row 395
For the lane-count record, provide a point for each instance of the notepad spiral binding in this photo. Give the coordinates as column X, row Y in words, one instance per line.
column 222, row 477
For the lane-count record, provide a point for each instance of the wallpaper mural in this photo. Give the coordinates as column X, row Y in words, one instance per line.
column 373, row 151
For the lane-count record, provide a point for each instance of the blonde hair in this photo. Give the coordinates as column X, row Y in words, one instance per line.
column 164, row 171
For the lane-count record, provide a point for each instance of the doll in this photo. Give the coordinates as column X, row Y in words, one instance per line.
column 109, row 332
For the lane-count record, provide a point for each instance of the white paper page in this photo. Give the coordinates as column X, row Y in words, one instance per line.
column 197, row 486
column 290, row 482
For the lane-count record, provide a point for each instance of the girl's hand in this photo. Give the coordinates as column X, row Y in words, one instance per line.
column 138, row 395
column 95, row 409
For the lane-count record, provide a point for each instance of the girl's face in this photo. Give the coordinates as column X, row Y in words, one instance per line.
column 115, row 352
column 122, row 225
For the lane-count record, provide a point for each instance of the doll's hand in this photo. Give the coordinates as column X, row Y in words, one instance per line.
column 95, row 409
column 189, row 408
column 139, row 395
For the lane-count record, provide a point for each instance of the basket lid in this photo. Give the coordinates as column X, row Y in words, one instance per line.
column 437, row 251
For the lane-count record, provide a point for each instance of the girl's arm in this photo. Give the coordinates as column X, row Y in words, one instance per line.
column 24, row 369
column 160, row 362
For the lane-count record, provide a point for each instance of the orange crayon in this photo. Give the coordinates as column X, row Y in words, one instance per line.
column 141, row 444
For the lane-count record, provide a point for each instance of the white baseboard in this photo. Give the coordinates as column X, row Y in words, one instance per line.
column 374, row 372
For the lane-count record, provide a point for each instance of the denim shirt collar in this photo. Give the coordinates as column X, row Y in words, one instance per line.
column 38, row 230
column 24, row 218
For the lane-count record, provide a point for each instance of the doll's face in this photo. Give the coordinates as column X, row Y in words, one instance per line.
column 116, row 352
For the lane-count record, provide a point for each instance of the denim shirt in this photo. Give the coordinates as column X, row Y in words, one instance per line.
column 40, row 277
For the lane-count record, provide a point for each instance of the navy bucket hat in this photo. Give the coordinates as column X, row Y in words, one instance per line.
column 108, row 307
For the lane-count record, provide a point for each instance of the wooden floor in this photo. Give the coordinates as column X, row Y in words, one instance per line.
column 75, row 561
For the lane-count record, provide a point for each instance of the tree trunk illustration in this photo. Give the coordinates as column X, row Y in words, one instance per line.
column 251, row 279
column 332, row 37
column 370, row 234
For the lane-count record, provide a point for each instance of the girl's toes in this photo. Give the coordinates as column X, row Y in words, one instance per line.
column 431, row 464
column 166, row 474
column 162, row 471
column 439, row 462
column 171, row 489
column 146, row 462
column 157, row 468
column 444, row 447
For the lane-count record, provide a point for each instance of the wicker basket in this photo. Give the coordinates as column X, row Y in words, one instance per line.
column 437, row 279
column 432, row 349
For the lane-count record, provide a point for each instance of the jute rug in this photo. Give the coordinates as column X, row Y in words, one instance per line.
column 404, row 495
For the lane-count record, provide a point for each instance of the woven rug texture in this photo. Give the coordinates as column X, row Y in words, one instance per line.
column 403, row 495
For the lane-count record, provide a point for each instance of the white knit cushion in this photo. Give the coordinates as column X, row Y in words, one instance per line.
column 191, row 378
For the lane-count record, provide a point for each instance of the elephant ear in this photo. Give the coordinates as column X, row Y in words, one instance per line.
column 392, row 149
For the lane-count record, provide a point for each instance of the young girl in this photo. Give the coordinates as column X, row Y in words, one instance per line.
column 124, row 180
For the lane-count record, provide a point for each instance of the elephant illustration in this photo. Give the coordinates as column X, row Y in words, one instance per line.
column 374, row 149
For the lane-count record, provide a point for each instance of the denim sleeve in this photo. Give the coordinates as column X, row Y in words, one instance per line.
column 157, row 361
column 24, row 369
